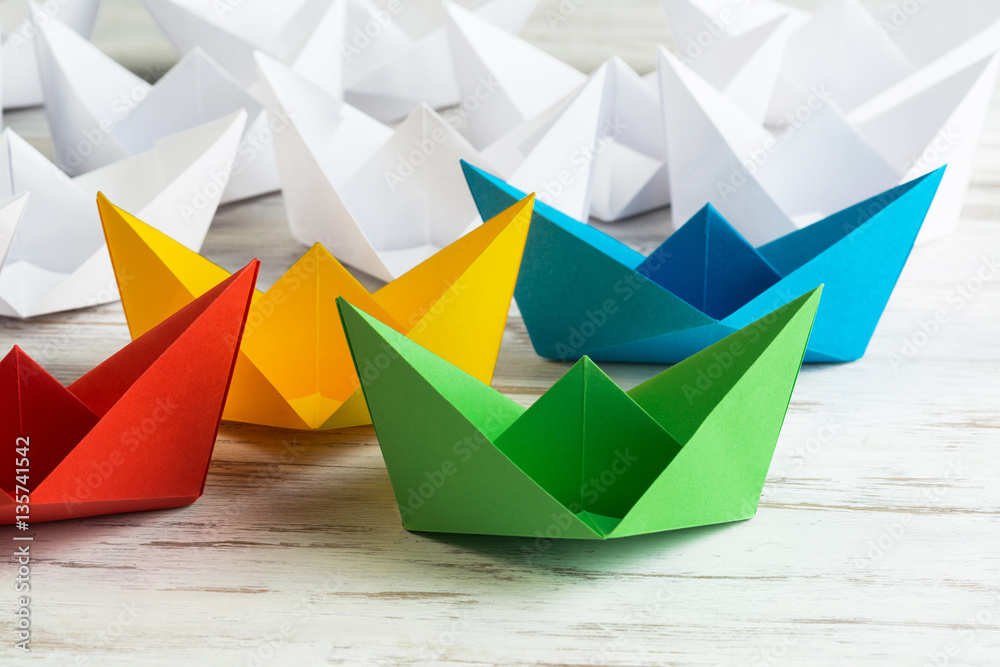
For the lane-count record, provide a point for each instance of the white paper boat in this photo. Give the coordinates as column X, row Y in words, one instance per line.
column 380, row 200
column 99, row 112
column 57, row 259
column 22, row 86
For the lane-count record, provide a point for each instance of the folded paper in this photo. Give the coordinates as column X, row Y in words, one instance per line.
column 503, row 81
column 603, row 154
column 689, row 447
column 231, row 32
column 389, row 72
column 582, row 292
column 100, row 113
column 380, row 200
column 135, row 433
column 22, row 84
column 294, row 369
column 825, row 160
column 387, row 58
column 58, row 259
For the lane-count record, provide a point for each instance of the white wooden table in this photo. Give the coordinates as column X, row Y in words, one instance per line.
column 877, row 541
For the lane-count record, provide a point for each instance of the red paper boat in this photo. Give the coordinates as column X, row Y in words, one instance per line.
column 137, row 432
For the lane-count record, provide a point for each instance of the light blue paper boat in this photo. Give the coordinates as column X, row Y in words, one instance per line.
column 582, row 292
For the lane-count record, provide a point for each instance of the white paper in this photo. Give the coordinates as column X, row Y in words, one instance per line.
column 22, row 85
column 503, row 81
column 767, row 185
column 385, row 56
column 603, row 154
column 100, row 113
column 58, row 259
column 380, row 200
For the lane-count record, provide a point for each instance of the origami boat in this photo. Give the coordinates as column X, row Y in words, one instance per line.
column 57, row 259
column 581, row 292
column 137, row 432
column 100, row 112
column 909, row 96
column 385, row 58
column 294, row 369
column 380, row 200
column 690, row 447
column 22, row 85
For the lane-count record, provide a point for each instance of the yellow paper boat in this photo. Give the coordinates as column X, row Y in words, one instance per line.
column 294, row 369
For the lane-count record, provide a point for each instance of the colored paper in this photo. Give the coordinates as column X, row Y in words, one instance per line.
column 22, row 84
column 57, row 259
column 689, row 447
column 582, row 292
column 380, row 200
column 101, row 113
column 135, row 433
column 294, row 369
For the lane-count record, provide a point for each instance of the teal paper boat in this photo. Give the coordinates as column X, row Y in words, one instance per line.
column 582, row 292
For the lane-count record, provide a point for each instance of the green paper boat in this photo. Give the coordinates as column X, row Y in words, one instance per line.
column 689, row 447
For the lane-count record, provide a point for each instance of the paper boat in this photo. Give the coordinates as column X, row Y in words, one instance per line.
column 581, row 292
column 603, row 154
column 689, row 447
column 22, row 84
column 503, row 81
column 231, row 32
column 137, row 432
column 408, row 62
column 294, row 369
column 386, row 61
column 380, row 200
column 100, row 113
column 58, row 260
column 772, row 185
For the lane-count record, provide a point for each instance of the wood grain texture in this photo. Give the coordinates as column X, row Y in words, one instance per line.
column 876, row 542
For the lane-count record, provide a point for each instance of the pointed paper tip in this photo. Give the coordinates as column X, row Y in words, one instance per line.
column 252, row 267
column 316, row 249
column 936, row 175
column 808, row 301
column 351, row 317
